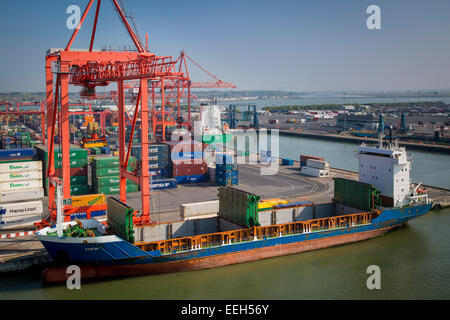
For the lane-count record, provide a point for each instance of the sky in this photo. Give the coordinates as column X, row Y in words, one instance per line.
column 293, row 45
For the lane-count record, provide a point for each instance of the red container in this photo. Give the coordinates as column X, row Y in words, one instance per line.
column 74, row 172
column 188, row 169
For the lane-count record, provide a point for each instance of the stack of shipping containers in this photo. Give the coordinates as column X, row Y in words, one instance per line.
column 226, row 172
column 106, row 174
column 187, row 164
column 21, row 190
column 78, row 168
column 158, row 164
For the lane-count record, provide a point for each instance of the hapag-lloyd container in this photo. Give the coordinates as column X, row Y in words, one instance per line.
column 18, row 221
column 20, row 185
column 20, row 176
column 24, row 195
column 21, row 166
column 21, row 209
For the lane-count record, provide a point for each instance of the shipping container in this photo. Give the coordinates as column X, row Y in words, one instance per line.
column 17, row 154
column 20, row 176
column 21, row 166
column 108, row 181
column 190, row 179
column 88, row 200
column 314, row 172
column 24, row 195
column 303, row 159
column 158, row 165
column 287, row 162
column 181, row 169
column 159, row 184
column 18, row 221
column 20, row 185
column 319, row 164
column 116, row 190
column 21, row 209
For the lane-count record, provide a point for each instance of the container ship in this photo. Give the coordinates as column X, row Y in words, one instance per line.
column 246, row 227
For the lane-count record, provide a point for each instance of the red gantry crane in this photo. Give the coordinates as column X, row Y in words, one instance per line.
column 90, row 69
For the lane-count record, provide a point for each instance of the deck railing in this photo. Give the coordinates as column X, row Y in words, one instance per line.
column 258, row 233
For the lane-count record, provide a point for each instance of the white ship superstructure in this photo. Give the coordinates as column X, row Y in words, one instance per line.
column 387, row 167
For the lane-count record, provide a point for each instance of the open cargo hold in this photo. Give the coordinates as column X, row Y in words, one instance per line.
column 23, row 195
column 356, row 194
column 238, row 206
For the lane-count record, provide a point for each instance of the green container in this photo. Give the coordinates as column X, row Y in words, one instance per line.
column 115, row 190
column 112, row 181
column 78, row 180
column 356, row 194
column 102, row 162
column 105, row 172
column 76, row 190
column 238, row 206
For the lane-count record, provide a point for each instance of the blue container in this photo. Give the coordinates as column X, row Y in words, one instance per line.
column 164, row 184
column 158, row 148
column 155, row 165
column 191, row 179
column 17, row 154
column 224, row 158
column 287, row 162
column 224, row 167
column 159, row 174
column 227, row 173
column 223, row 181
column 186, row 155
column 105, row 150
column 234, row 181
column 98, row 213
column 158, row 157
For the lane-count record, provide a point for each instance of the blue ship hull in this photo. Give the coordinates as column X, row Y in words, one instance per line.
column 112, row 250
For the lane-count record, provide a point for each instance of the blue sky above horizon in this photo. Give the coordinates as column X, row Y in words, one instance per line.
column 280, row 45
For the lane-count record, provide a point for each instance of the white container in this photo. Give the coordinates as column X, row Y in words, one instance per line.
column 21, row 209
column 319, row 164
column 26, row 195
column 21, row 166
column 315, row 172
column 18, row 221
column 20, row 185
column 199, row 208
column 20, row 176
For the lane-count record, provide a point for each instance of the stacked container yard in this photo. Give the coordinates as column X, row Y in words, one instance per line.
column 21, row 190
column 187, row 164
column 226, row 173
column 106, row 175
column 78, row 168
